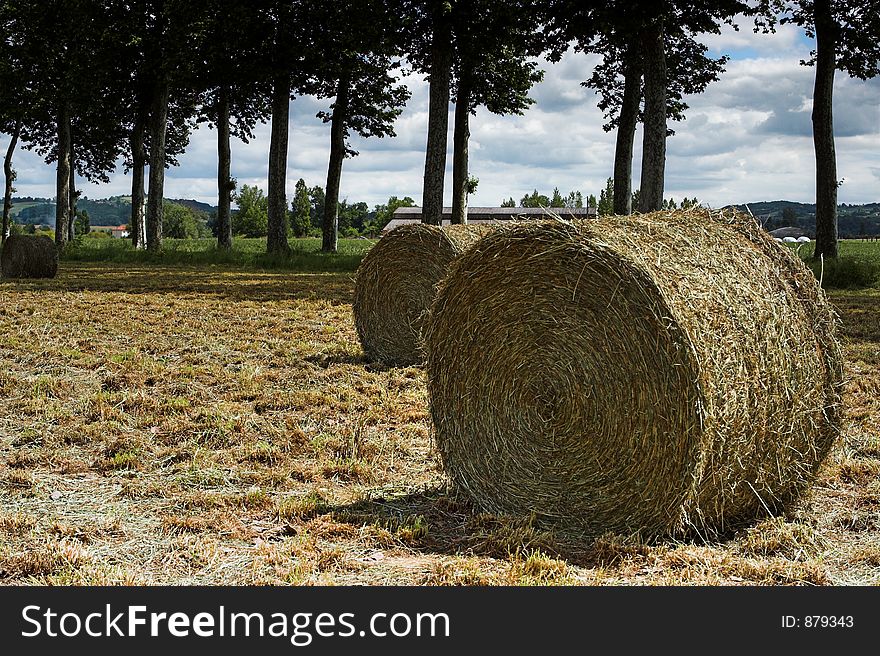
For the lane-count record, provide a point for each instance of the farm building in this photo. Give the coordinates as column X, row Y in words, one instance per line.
column 477, row 215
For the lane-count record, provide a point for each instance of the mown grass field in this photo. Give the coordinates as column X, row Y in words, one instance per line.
column 210, row 423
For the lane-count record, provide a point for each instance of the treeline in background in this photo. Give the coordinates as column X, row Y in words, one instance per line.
column 89, row 84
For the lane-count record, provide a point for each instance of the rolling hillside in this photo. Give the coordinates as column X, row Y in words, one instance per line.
column 115, row 210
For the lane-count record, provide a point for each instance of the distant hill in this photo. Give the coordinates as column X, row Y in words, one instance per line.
column 33, row 210
column 106, row 211
column 193, row 204
column 115, row 210
column 852, row 220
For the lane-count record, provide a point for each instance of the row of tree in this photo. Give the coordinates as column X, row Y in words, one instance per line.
column 604, row 205
column 89, row 82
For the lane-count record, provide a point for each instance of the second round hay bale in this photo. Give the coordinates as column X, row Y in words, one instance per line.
column 658, row 374
column 395, row 285
column 29, row 256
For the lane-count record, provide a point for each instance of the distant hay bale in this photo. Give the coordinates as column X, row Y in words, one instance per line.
column 395, row 285
column 663, row 374
column 28, row 256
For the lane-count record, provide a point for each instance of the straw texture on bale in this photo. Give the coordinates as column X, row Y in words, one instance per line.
column 28, row 256
column 395, row 285
column 664, row 374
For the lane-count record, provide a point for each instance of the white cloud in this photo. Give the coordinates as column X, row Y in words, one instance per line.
column 787, row 42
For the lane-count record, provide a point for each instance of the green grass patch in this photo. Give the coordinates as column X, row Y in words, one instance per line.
column 857, row 267
column 305, row 254
column 845, row 273
column 302, row 506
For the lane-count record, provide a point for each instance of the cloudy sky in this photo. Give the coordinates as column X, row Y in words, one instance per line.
column 746, row 139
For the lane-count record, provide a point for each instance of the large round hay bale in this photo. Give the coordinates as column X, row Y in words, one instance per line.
column 395, row 285
column 29, row 256
column 661, row 374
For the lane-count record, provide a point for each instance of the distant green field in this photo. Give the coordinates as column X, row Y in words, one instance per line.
column 850, row 249
column 305, row 254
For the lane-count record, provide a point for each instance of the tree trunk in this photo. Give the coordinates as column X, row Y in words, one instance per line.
column 626, row 132
column 156, row 193
column 438, row 120
column 136, row 227
column 224, row 179
column 823, row 132
column 276, row 240
column 62, row 178
column 334, row 170
column 10, row 179
column 71, row 214
column 460, row 151
column 654, row 137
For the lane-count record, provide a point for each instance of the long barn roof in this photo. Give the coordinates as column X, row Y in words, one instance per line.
column 503, row 211
column 407, row 215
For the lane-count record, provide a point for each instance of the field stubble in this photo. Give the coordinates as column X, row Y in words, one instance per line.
column 177, row 425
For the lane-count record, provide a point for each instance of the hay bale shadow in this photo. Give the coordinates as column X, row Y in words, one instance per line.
column 230, row 284
column 440, row 521
column 327, row 360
